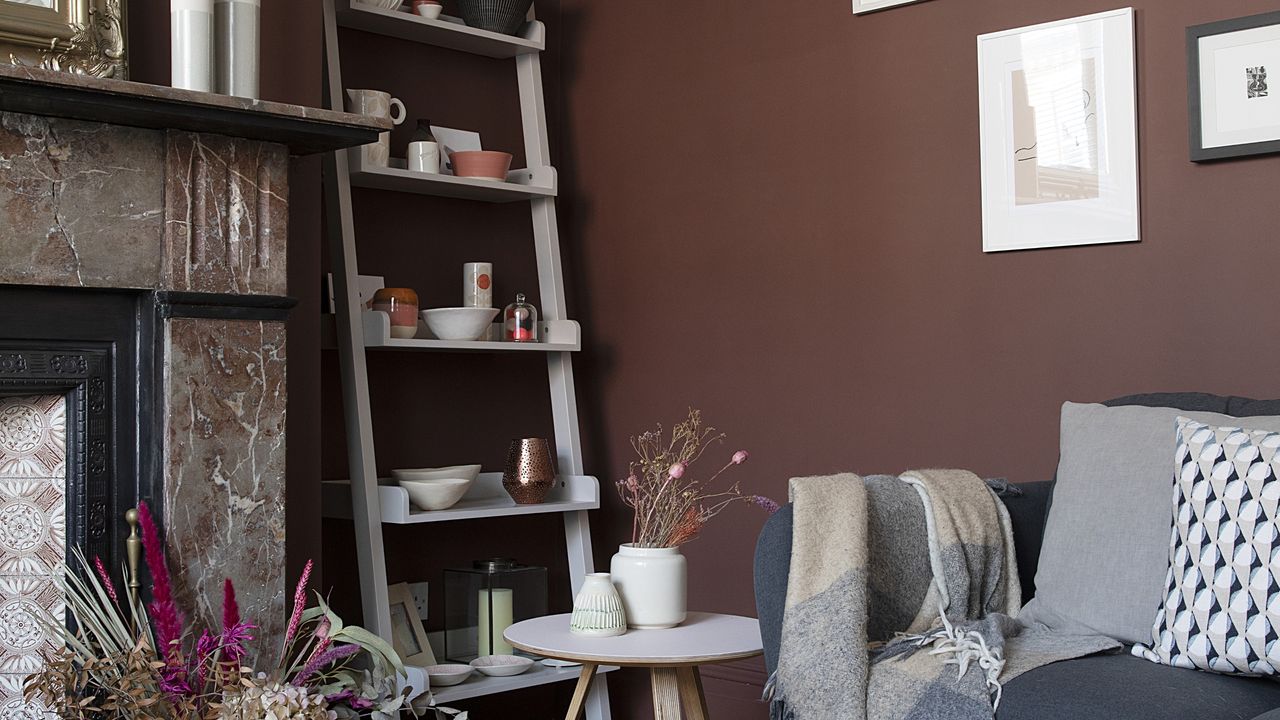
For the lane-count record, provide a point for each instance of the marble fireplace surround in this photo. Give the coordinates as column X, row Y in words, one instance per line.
column 181, row 199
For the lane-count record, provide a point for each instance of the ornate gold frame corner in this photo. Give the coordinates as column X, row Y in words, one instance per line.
column 95, row 46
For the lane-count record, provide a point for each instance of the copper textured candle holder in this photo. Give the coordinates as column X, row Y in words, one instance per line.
column 529, row 474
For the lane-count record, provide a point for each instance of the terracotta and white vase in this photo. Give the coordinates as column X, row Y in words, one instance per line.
column 597, row 609
column 653, row 583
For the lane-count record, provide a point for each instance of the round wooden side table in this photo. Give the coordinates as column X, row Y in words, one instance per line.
column 672, row 655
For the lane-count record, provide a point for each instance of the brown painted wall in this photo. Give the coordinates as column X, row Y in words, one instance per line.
column 292, row 47
column 773, row 209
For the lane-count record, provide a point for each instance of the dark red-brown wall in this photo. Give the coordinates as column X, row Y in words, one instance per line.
column 774, row 215
column 769, row 211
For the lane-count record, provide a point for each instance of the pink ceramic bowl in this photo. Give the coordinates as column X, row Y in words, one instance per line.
column 487, row 164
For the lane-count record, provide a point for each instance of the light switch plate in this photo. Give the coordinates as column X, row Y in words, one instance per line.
column 419, row 590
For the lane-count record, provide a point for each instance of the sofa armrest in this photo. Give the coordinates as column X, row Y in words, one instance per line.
column 772, row 567
column 1027, row 514
column 1269, row 715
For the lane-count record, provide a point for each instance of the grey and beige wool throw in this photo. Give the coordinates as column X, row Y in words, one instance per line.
column 900, row 602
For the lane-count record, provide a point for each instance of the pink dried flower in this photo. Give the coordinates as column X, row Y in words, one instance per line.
column 165, row 619
column 676, row 471
column 106, row 579
column 769, row 506
column 230, row 608
column 299, row 604
column 324, row 660
column 740, row 457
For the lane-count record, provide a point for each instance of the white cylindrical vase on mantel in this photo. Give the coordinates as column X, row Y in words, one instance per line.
column 237, row 40
column 653, row 583
column 191, row 24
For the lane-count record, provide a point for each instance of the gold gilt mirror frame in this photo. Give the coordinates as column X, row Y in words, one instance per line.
column 85, row 37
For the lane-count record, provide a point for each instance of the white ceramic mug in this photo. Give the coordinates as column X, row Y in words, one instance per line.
column 424, row 156
column 477, row 285
column 378, row 104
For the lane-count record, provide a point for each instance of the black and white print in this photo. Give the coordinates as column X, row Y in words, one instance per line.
column 1257, row 81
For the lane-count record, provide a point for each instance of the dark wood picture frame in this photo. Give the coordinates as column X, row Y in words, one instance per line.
column 1199, row 153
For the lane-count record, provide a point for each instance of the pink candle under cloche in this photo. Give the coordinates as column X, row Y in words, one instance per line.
column 402, row 305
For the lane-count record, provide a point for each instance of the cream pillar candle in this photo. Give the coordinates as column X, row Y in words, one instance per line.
column 236, row 24
column 191, row 24
column 502, row 619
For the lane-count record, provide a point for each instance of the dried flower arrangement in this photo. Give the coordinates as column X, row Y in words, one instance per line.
column 671, row 506
column 125, row 661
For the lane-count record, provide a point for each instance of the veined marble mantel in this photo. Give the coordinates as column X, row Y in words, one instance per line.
column 182, row 196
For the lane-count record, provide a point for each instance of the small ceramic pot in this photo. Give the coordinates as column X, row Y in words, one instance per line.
column 653, row 583
column 402, row 305
column 429, row 9
column 597, row 608
column 483, row 164
column 529, row 474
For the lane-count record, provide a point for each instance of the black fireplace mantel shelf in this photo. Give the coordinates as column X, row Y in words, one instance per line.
column 304, row 130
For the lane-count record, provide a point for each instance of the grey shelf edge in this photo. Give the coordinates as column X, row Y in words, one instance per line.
column 446, row 32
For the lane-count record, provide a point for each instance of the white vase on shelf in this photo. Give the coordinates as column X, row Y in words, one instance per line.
column 597, row 609
column 653, row 583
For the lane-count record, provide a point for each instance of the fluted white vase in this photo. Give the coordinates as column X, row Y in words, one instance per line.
column 597, row 609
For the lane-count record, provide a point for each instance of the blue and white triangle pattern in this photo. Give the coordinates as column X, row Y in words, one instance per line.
column 1221, row 607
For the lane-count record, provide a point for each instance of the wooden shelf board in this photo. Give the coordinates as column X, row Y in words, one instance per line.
column 480, row 685
column 485, row 499
column 446, row 32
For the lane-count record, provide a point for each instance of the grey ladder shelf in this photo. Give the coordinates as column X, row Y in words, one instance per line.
column 368, row 503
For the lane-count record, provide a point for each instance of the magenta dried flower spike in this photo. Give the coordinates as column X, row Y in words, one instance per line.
column 105, row 578
column 299, row 604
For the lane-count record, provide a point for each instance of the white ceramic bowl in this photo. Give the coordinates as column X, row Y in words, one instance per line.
column 501, row 665
column 446, row 675
column 459, row 323
column 441, row 473
column 382, row 4
column 436, row 494
column 430, row 11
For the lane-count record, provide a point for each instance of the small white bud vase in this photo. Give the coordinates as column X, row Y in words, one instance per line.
column 653, row 583
column 597, row 609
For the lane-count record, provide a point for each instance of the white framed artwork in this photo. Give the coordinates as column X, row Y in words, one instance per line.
column 866, row 6
column 1057, row 110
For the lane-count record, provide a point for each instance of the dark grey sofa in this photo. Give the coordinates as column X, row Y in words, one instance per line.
column 1117, row 686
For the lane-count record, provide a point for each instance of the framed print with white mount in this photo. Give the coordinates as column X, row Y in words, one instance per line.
column 866, row 6
column 1233, row 87
column 1057, row 112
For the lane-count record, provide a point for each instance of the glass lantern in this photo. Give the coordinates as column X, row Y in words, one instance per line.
column 482, row 601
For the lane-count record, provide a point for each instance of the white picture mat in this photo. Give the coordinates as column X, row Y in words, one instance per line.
column 1113, row 215
column 866, row 6
column 1229, row 116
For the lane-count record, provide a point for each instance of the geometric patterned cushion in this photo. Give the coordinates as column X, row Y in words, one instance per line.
column 1221, row 609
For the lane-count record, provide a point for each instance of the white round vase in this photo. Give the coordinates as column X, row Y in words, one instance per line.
column 653, row 583
column 597, row 609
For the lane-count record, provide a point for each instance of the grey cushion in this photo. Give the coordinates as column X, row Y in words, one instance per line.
column 1106, row 543
column 1123, row 687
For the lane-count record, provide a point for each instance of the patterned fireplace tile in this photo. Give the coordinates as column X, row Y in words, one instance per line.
column 32, row 526
column 33, row 436
column 12, row 705
column 23, row 600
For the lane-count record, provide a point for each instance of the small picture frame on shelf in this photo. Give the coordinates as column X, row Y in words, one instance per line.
column 408, row 636
column 1233, row 87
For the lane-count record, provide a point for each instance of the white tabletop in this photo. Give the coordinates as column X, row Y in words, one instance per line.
column 702, row 638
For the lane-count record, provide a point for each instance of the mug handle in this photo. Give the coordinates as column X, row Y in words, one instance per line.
column 396, row 120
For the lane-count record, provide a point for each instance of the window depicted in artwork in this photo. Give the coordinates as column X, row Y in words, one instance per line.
column 33, row 453
column 1054, row 105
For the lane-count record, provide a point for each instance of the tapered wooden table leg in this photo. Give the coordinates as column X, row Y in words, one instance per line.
column 580, row 692
column 666, row 693
column 695, row 700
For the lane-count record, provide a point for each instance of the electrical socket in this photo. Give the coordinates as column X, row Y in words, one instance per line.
column 420, row 595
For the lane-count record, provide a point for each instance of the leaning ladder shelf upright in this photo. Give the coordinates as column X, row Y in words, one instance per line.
column 536, row 185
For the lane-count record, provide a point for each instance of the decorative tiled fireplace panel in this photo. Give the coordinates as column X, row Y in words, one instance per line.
column 33, row 544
